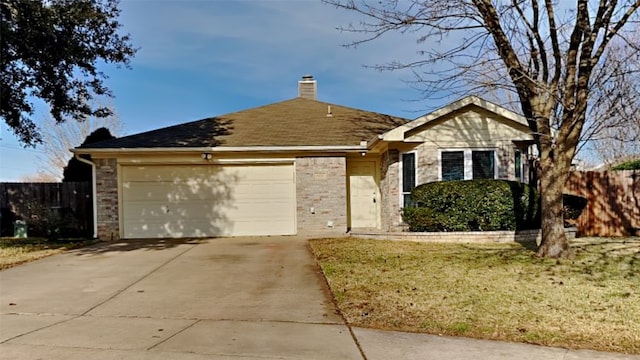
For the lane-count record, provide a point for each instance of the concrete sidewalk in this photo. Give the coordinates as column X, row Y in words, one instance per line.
column 240, row 298
column 379, row 345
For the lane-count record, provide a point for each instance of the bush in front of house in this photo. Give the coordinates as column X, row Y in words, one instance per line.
column 473, row 205
column 628, row 165
column 572, row 206
column 51, row 223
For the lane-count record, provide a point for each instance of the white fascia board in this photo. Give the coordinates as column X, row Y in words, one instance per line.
column 223, row 149
column 198, row 160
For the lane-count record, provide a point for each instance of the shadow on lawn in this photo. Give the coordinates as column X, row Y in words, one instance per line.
column 597, row 259
column 529, row 245
column 604, row 246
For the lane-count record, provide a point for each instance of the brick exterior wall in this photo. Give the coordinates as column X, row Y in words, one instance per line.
column 107, row 198
column 506, row 162
column 321, row 184
column 390, row 191
column 427, row 163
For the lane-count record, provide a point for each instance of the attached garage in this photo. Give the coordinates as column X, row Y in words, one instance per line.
column 277, row 169
column 207, row 200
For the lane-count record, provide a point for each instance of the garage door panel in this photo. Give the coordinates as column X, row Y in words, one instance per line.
column 175, row 193
column 224, row 225
column 196, row 228
column 275, row 192
column 142, row 210
column 162, row 173
column 161, row 229
column 204, row 209
column 204, row 212
column 256, row 211
column 215, row 200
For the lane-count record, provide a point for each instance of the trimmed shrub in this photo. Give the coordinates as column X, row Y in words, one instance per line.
column 473, row 205
column 51, row 223
column 629, row 165
column 421, row 219
column 573, row 206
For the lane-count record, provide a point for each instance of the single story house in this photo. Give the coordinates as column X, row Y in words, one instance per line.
column 299, row 166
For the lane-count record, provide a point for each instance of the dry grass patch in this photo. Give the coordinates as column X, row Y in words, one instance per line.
column 491, row 291
column 16, row 251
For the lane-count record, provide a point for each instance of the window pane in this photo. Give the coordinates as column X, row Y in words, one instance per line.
column 483, row 166
column 407, row 200
column 518, row 165
column 452, row 165
column 408, row 172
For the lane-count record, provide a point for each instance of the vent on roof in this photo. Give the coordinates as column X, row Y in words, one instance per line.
column 308, row 88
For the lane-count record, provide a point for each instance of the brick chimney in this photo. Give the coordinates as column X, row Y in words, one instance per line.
column 308, row 88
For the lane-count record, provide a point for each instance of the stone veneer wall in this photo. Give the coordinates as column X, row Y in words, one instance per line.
column 390, row 192
column 107, row 198
column 427, row 163
column 321, row 184
column 506, row 162
column 523, row 236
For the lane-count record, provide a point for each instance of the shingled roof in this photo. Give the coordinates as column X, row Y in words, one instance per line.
column 295, row 122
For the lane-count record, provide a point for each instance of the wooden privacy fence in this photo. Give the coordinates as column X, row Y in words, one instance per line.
column 70, row 203
column 613, row 202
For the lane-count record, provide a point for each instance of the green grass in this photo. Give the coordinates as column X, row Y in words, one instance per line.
column 491, row 291
column 16, row 251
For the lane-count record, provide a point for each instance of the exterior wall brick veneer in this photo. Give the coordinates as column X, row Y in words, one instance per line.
column 427, row 163
column 390, row 191
column 321, row 184
column 107, row 198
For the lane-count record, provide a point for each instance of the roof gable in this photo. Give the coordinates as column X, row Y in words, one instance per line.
column 295, row 122
column 437, row 117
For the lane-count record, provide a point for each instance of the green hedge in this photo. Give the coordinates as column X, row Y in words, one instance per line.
column 629, row 165
column 481, row 205
column 473, row 205
column 573, row 206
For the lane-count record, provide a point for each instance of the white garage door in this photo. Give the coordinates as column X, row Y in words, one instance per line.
column 208, row 200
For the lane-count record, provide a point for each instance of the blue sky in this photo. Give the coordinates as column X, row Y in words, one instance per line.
column 211, row 57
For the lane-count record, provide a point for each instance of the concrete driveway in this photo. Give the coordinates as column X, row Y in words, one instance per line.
column 218, row 298
column 238, row 298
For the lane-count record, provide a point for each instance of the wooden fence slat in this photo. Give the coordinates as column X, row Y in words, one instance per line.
column 17, row 201
column 613, row 202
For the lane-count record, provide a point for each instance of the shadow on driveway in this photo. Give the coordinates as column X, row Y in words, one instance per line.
column 127, row 245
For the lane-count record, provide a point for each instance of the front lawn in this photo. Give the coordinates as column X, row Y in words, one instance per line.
column 490, row 291
column 15, row 251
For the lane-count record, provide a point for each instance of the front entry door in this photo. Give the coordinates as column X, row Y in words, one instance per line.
column 363, row 194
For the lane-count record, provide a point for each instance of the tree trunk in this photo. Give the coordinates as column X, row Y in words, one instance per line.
column 552, row 179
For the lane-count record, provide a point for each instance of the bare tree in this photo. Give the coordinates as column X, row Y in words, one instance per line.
column 545, row 51
column 612, row 128
column 39, row 177
column 58, row 138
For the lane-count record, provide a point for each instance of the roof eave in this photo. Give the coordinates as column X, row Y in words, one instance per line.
column 226, row 149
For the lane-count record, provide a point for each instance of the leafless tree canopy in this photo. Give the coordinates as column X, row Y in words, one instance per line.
column 612, row 128
column 58, row 138
column 561, row 59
